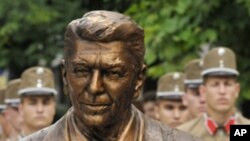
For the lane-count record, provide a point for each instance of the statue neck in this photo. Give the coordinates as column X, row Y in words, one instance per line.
column 104, row 132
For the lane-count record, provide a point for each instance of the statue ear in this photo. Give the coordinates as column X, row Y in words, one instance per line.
column 139, row 81
column 63, row 73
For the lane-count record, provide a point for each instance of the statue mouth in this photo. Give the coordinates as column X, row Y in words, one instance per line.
column 96, row 104
column 96, row 108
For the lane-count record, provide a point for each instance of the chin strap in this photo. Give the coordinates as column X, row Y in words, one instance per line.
column 213, row 127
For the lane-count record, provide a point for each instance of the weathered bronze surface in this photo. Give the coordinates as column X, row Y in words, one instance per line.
column 103, row 72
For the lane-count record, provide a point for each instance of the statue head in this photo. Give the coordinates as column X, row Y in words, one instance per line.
column 103, row 67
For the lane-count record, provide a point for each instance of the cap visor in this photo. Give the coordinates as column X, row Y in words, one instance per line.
column 170, row 97
column 37, row 91
column 221, row 73
column 194, row 85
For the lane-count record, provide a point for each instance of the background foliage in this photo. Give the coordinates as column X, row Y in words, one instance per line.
column 31, row 32
column 180, row 30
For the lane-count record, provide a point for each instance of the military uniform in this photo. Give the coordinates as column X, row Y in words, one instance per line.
column 12, row 102
column 12, row 99
column 219, row 62
column 207, row 130
column 192, row 71
column 2, row 96
column 36, row 81
column 2, row 107
column 193, row 80
column 170, row 90
column 171, row 86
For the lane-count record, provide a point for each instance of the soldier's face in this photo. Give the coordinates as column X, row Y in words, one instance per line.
column 220, row 93
column 102, row 81
column 194, row 101
column 149, row 109
column 38, row 111
column 171, row 112
column 13, row 118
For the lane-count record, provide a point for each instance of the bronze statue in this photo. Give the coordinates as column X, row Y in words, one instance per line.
column 103, row 71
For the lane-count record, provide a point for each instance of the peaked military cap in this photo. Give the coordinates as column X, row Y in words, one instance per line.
column 2, row 96
column 11, row 96
column 171, row 86
column 220, row 61
column 36, row 81
column 192, row 72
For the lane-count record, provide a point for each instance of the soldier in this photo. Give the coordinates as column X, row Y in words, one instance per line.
column 169, row 108
column 2, row 119
column 149, row 101
column 220, row 89
column 2, row 103
column 12, row 116
column 104, row 71
column 193, row 79
column 38, row 99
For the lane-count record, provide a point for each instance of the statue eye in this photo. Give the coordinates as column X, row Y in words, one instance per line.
column 114, row 74
column 81, row 71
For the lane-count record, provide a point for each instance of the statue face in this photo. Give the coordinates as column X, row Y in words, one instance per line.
column 102, row 81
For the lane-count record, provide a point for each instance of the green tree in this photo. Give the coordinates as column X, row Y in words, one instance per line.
column 176, row 30
column 31, row 32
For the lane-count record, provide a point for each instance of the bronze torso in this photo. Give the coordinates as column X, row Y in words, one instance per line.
column 103, row 72
column 139, row 128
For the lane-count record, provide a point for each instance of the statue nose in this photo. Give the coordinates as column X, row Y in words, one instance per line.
column 96, row 83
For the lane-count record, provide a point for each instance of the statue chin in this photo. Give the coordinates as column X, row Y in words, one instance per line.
column 97, row 120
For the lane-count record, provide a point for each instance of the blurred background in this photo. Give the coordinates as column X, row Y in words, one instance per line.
column 176, row 31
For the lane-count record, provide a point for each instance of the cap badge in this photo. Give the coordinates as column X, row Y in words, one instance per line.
column 39, row 83
column 176, row 88
column 39, row 71
column 221, row 51
column 201, row 63
column 221, row 63
column 176, row 76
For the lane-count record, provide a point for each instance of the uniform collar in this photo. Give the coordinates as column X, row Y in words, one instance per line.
column 213, row 127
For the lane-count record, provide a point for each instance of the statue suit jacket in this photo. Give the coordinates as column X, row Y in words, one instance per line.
column 139, row 128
